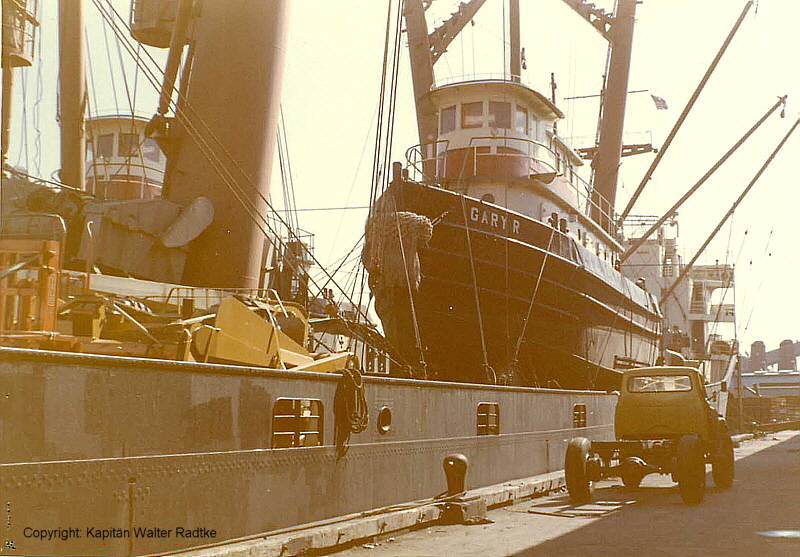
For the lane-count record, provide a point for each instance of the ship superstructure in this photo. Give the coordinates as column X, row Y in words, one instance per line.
column 698, row 308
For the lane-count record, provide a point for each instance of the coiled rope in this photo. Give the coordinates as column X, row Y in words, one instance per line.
column 350, row 413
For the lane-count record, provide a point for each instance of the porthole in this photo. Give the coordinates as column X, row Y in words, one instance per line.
column 487, row 198
column 384, row 420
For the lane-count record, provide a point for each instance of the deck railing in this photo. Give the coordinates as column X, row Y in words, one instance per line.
column 502, row 157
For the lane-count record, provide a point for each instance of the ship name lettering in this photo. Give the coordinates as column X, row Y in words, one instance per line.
column 495, row 220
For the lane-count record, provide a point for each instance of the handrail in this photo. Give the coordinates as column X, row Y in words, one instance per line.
column 428, row 161
column 485, row 76
column 117, row 166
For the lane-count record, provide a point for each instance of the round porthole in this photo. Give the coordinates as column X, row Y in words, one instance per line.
column 487, row 198
column 384, row 420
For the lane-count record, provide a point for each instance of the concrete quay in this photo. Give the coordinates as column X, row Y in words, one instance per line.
column 530, row 514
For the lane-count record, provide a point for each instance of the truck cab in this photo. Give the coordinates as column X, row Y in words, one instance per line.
column 663, row 403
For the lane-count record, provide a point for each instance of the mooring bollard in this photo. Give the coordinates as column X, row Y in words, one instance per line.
column 455, row 469
column 458, row 507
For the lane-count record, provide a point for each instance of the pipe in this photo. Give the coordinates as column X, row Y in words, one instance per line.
column 176, row 43
column 516, row 53
column 8, row 88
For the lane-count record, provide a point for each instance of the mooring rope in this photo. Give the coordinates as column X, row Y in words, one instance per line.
column 490, row 373
column 533, row 297
column 417, row 336
column 350, row 412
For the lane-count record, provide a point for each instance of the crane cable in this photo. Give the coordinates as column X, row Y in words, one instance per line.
column 218, row 164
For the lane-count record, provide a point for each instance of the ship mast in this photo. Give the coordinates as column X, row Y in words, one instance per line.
column 609, row 148
column 424, row 50
column 72, row 88
column 221, row 141
column 618, row 31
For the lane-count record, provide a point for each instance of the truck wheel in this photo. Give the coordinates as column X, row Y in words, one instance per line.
column 722, row 465
column 691, row 469
column 575, row 469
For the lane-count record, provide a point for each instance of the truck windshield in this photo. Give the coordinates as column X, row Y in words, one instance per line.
column 659, row 383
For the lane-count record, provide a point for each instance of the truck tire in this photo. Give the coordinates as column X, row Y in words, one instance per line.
column 722, row 464
column 631, row 478
column 691, row 469
column 575, row 470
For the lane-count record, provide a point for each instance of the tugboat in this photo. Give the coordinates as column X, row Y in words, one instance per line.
column 491, row 259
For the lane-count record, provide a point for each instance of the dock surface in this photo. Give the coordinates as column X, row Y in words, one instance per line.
column 759, row 515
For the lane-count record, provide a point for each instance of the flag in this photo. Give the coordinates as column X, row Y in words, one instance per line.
column 660, row 103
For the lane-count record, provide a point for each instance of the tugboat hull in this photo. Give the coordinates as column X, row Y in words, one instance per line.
column 486, row 272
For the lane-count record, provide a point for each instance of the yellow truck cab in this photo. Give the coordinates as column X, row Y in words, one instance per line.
column 663, row 403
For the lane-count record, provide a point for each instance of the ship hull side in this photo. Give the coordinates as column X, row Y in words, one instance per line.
column 116, row 443
column 580, row 325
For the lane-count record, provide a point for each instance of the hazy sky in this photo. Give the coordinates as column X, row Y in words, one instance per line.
column 330, row 97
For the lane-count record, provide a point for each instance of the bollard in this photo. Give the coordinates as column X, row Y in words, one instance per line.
column 455, row 469
column 458, row 507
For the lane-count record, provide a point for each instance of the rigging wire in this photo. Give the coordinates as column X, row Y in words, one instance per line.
column 490, row 373
column 353, row 183
column 91, row 106
column 760, row 284
column 725, row 288
column 505, row 43
column 186, row 115
column 287, row 188
column 136, row 72
column 37, row 139
column 533, row 297
column 137, row 151
column 23, row 148
column 110, row 68
column 290, row 173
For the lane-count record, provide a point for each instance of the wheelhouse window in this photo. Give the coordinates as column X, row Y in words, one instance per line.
column 128, row 144
column 297, row 422
column 89, row 150
column 105, row 145
column 472, row 115
column 488, row 418
column 499, row 114
column 659, row 383
column 448, row 120
column 521, row 120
